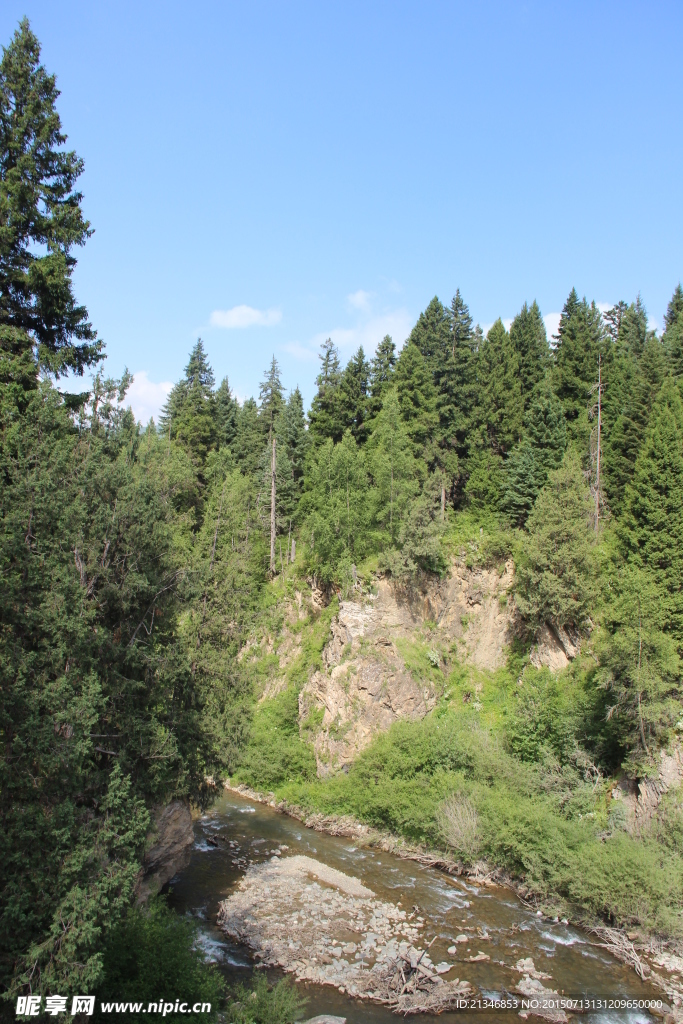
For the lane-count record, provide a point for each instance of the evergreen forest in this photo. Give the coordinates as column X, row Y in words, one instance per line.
column 140, row 562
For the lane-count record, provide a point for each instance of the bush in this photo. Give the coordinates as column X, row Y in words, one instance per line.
column 153, row 954
column 458, row 821
column 263, row 1004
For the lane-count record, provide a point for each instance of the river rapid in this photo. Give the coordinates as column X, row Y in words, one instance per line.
column 494, row 919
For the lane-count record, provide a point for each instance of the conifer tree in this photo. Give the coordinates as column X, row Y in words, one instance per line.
column 271, row 397
column 457, row 381
column 633, row 389
column 652, row 526
column 554, row 578
column 381, row 372
column 540, row 451
column 501, row 406
column 395, row 472
column 580, row 341
column 354, row 396
column 673, row 334
column 416, row 396
column 189, row 415
column 41, row 221
column 226, row 414
column 249, row 444
column 524, row 478
column 431, row 336
column 639, row 668
column 324, row 417
column 295, row 436
column 674, row 308
column 530, row 342
column 546, row 429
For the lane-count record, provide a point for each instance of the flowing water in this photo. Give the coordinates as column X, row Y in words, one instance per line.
column 250, row 832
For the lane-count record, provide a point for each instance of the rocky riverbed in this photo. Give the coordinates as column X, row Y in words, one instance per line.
column 324, row 926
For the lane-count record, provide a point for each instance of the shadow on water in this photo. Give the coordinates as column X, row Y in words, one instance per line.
column 496, row 921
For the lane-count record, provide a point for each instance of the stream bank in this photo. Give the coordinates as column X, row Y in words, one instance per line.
column 647, row 957
column 239, row 834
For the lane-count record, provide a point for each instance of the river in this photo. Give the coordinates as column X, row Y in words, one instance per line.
column 497, row 920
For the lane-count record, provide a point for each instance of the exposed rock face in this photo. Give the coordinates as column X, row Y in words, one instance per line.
column 325, row 926
column 172, row 840
column 554, row 648
column 641, row 800
column 366, row 685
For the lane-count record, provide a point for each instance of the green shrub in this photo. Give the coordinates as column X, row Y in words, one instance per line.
column 153, row 954
column 265, row 1004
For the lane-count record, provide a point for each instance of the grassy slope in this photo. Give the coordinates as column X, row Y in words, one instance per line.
column 516, row 750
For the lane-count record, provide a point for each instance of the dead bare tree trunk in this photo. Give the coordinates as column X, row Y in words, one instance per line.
column 272, row 507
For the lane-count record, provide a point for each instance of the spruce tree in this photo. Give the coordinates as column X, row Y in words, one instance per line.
column 41, row 221
column 295, row 435
column 501, row 406
column 546, row 429
column 431, row 335
column 673, row 334
column 457, row 383
column 324, row 418
column 541, row 450
column 639, row 668
column 249, row 444
column 524, row 480
column 554, row 577
column 189, row 415
column 530, row 342
column 381, row 372
column 580, row 342
column 354, row 396
column 652, row 526
column 632, row 391
column 416, row 397
column 674, row 308
column 226, row 414
column 271, row 397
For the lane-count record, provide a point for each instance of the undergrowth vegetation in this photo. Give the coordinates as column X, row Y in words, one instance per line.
column 521, row 759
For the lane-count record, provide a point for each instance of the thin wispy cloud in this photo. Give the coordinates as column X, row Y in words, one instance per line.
column 245, row 316
column 299, row 351
column 398, row 323
column 359, row 300
column 369, row 329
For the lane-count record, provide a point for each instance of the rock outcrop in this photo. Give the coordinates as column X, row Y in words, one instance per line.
column 171, row 838
column 365, row 685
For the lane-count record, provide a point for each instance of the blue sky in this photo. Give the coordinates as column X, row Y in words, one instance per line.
column 267, row 174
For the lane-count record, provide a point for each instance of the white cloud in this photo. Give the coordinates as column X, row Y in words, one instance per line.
column 360, row 300
column 552, row 325
column 299, row 351
column 145, row 397
column 245, row 316
column 397, row 323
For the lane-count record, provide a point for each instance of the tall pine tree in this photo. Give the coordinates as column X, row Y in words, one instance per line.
column 189, row 415
column 530, row 342
column 652, row 526
column 580, row 342
column 381, row 372
column 501, row 406
column 354, row 396
column 324, row 416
